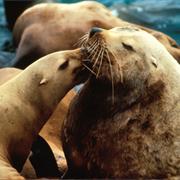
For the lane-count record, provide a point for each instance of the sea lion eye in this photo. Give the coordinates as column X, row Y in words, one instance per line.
column 64, row 65
column 128, row 47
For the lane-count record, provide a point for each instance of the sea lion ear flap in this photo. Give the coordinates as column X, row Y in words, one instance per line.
column 43, row 81
column 154, row 61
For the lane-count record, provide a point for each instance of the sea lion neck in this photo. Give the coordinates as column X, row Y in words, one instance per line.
column 124, row 95
column 96, row 97
column 32, row 90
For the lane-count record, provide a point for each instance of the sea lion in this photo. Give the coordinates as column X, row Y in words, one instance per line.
column 12, row 15
column 28, row 100
column 50, row 131
column 37, row 31
column 125, row 122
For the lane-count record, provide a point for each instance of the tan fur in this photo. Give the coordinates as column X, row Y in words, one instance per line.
column 51, row 130
column 137, row 135
column 26, row 104
column 37, row 31
column 8, row 73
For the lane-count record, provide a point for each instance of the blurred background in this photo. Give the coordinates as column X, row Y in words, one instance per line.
column 163, row 15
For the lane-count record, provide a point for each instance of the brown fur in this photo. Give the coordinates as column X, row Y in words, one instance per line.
column 28, row 100
column 137, row 135
column 37, row 31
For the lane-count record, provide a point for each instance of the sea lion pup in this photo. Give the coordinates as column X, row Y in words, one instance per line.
column 50, row 131
column 28, row 100
column 125, row 122
column 46, row 28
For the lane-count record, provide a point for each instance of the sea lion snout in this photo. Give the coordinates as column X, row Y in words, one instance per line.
column 75, row 62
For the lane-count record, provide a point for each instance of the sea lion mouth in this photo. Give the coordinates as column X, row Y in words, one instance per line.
column 95, row 54
column 99, row 57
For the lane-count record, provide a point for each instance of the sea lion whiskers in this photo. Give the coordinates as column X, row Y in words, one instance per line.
column 81, row 40
column 96, row 49
column 100, row 65
column 97, row 58
column 101, row 46
column 89, row 69
column 90, row 44
column 112, row 79
column 93, row 52
column 118, row 63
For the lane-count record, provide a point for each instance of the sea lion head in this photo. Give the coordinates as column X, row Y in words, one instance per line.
column 56, row 73
column 64, row 67
column 121, row 54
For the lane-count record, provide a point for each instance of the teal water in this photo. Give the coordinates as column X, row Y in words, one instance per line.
column 163, row 15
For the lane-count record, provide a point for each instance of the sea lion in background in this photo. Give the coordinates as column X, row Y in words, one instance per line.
column 14, row 8
column 28, row 100
column 125, row 122
column 46, row 28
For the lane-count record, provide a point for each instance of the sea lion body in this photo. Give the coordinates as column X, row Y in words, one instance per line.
column 41, row 21
column 28, row 100
column 12, row 15
column 46, row 28
column 125, row 122
column 50, row 131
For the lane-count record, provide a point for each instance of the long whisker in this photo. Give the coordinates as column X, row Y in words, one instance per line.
column 97, row 58
column 86, row 60
column 89, row 69
column 100, row 65
column 91, row 48
column 84, row 36
column 112, row 79
column 96, row 51
column 119, row 65
column 81, row 40
column 93, row 53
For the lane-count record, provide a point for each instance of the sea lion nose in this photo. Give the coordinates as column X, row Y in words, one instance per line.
column 94, row 30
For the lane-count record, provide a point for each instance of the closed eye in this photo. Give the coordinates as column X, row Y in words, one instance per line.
column 128, row 47
column 64, row 65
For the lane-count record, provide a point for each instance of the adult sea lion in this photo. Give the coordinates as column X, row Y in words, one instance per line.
column 28, row 100
column 12, row 15
column 125, row 122
column 45, row 28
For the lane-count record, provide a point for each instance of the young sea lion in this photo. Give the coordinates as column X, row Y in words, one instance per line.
column 50, row 131
column 46, row 28
column 28, row 100
column 125, row 122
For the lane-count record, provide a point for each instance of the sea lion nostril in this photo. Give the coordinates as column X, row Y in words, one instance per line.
column 94, row 30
